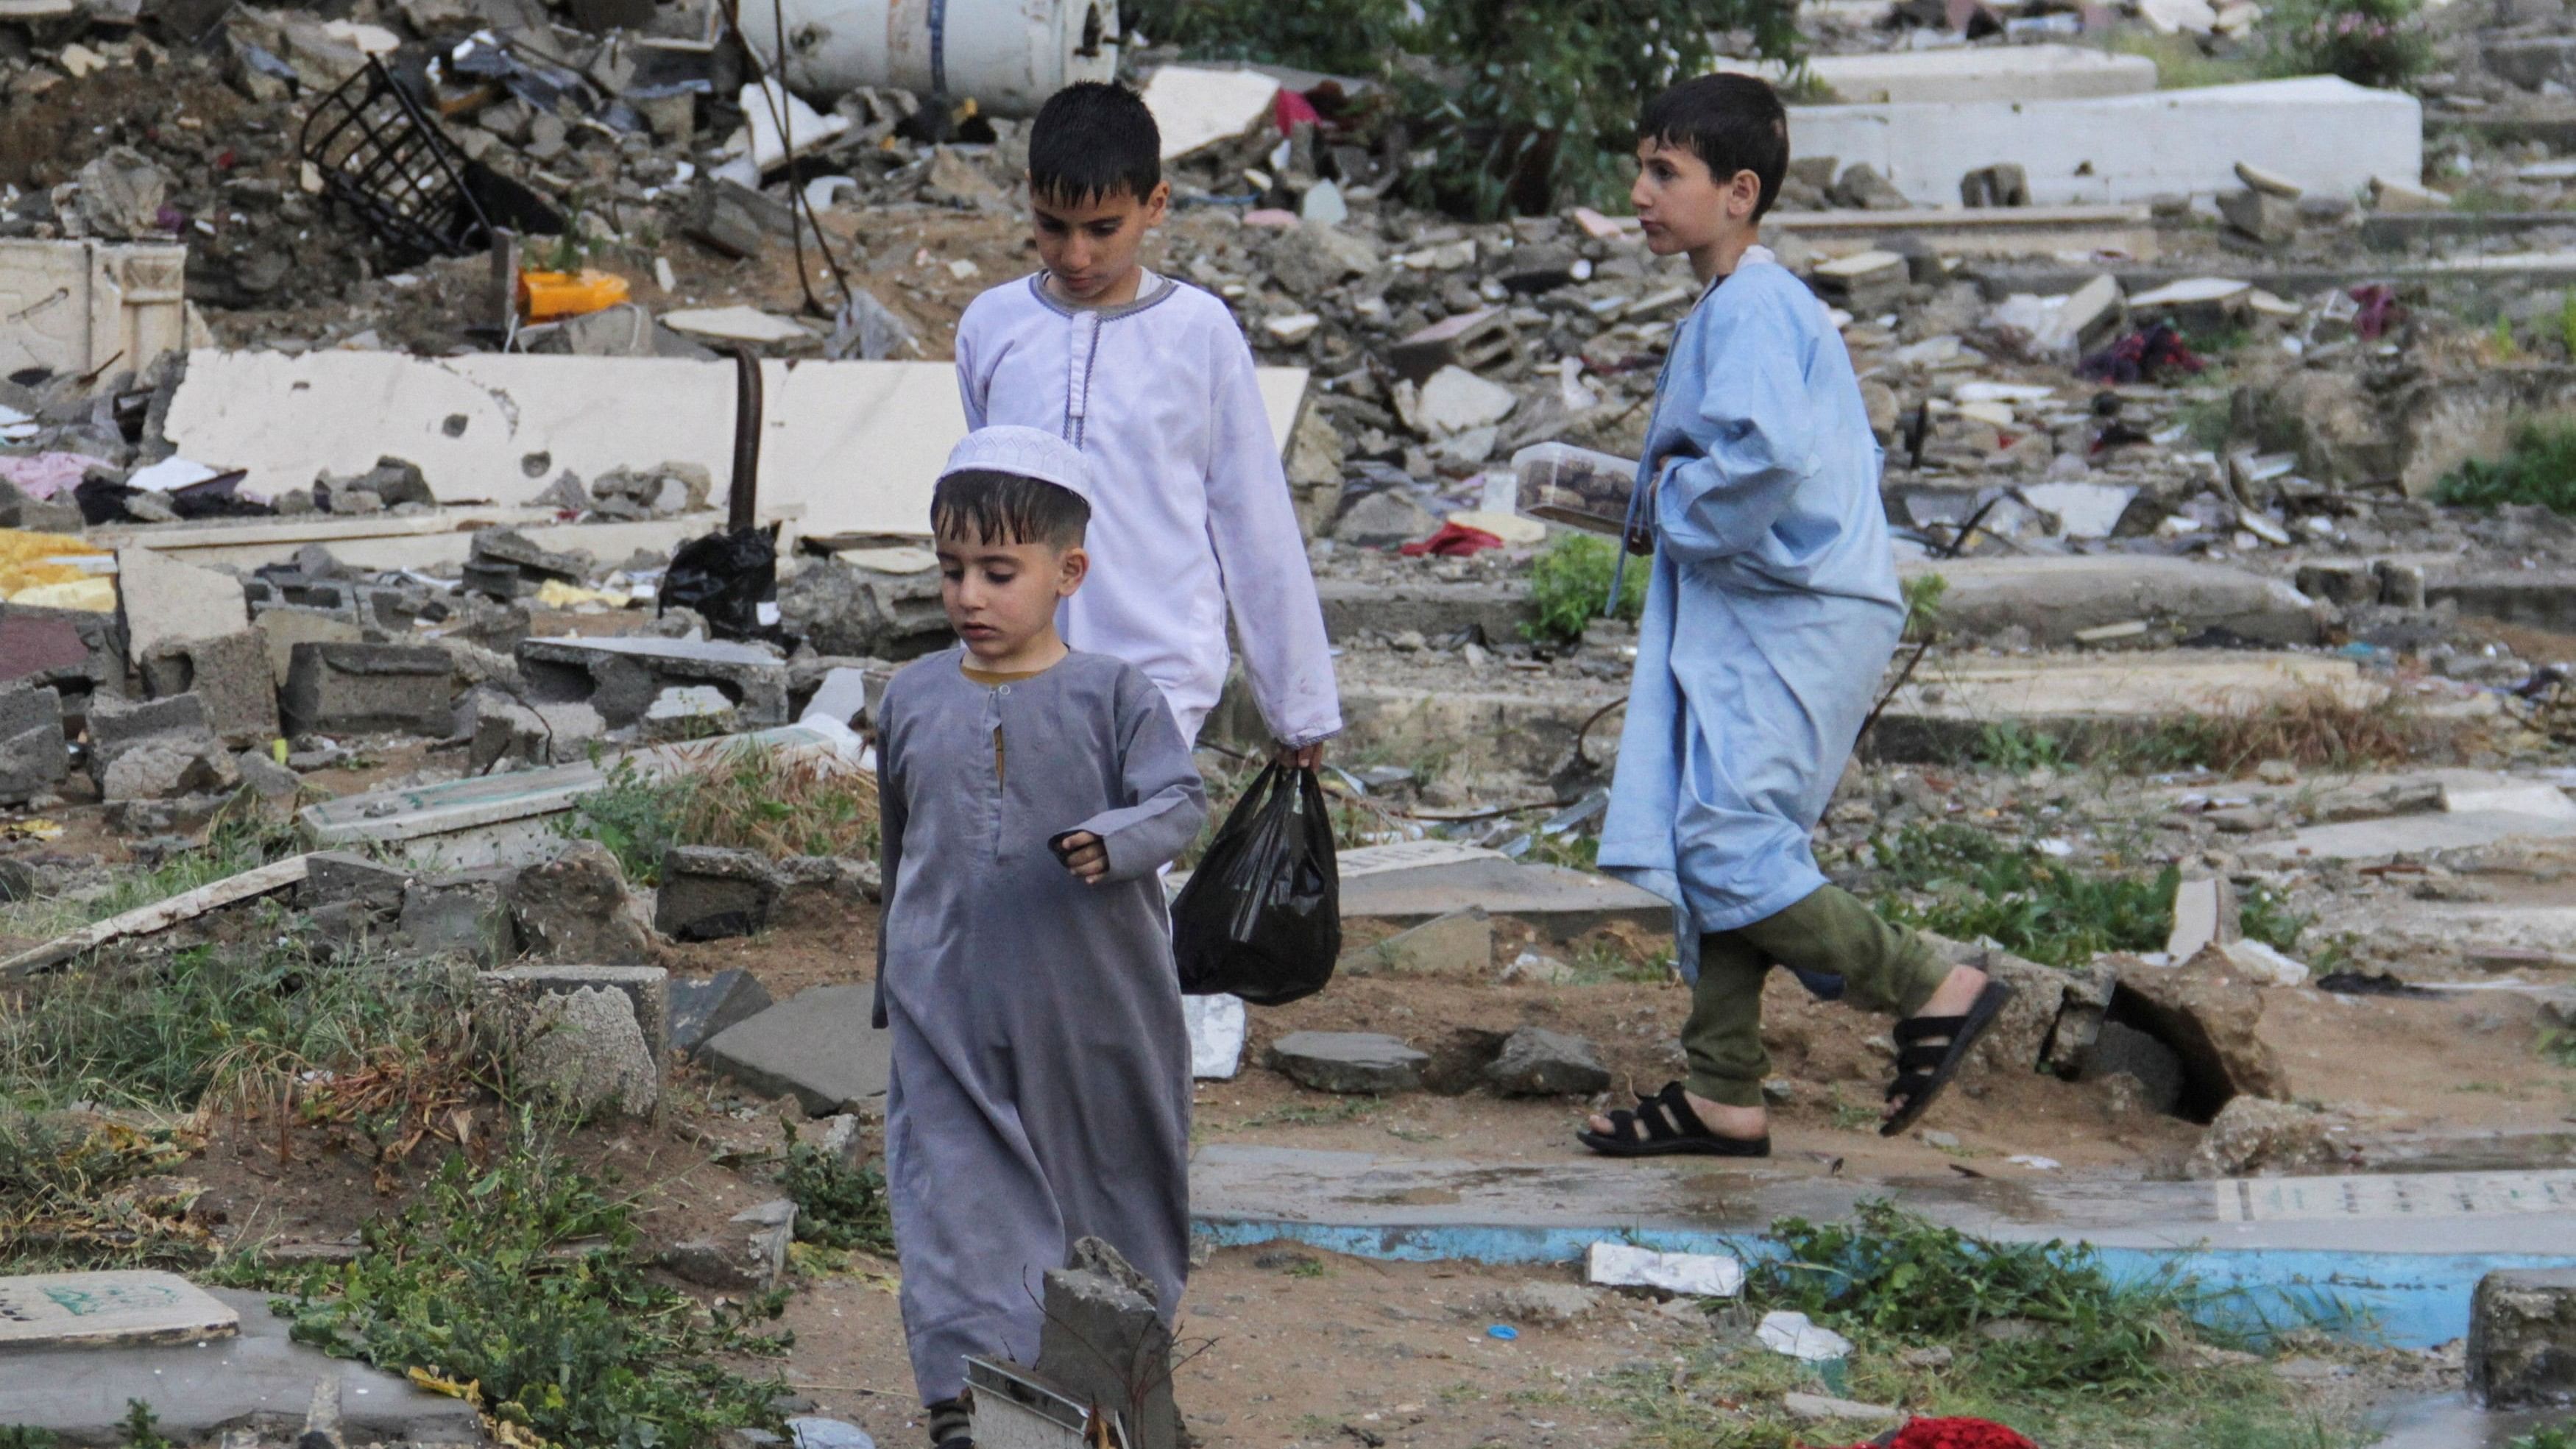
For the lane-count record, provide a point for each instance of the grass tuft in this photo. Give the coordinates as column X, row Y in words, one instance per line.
column 2318, row 729
column 742, row 796
column 2539, row 467
column 1570, row 587
column 1960, row 882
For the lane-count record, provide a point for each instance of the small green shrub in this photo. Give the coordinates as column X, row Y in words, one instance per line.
column 2539, row 468
column 526, row 1282
column 1347, row 37
column 2265, row 917
column 1890, row 1276
column 738, row 795
column 1924, row 595
column 2368, row 42
column 1972, row 885
column 143, row 1427
column 2015, row 747
column 837, row 1205
column 2548, row 1436
column 2567, row 322
column 1570, row 587
column 25, row 1436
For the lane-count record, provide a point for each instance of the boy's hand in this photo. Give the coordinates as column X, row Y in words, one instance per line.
column 1086, row 857
column 1307, row 757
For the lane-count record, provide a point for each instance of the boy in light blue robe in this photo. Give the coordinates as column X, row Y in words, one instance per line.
column 1770, row 615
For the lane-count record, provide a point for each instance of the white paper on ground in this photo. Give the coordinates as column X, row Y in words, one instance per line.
column 1216, row 1036
column 1705, row 1275
column 1792, row 1334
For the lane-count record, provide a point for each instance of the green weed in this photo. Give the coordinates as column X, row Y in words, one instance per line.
column 2180, row 62
column 2548, row 1436
column 235, row 844
column 1965, row 884
column 2501, row 343
column 1892, row 1276
column 25, row 1436
column 2014, row 747
column 743, row 796
column 1347, row 37
column 219, row 1024
column 2558, row 1044
column 1570, row 587
column 2368, row 42
column 143, row 1427
column 2567, row 322
column 2265, row 917
column 525, row 1280
column 1348, row 1109
column 1923, row 594
column 837, row 1205
column 2540, row 467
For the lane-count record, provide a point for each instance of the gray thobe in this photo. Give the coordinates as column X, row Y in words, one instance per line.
column 1041, row 1082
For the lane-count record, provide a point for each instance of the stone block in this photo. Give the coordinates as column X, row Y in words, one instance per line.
column 701, row 1009
column 583, row 1051
column 231, row 673
column 2209, row 1015
column 1352, row 1062
column 1536, row 1062
column 2522, row 1338
column 118, row 725
column 156, row 751
column 1104, row 1343
column 748, row 1254
column 268, row 788
column 367, row 689
column 33, row 756
column 1475, row 341
column 464, row 914
column 2266, row 218
column 647, row 990
column 709, row 893
column 576, row 907
column 332, row 876
column 162, row 601
column 622, row 678
column 2002, row 184
column 2339, row 581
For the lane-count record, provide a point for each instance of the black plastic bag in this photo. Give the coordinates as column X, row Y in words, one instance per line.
column 723, row 576
column 1261, row 917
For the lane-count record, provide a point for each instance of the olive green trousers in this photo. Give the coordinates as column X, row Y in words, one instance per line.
column 1884, row 968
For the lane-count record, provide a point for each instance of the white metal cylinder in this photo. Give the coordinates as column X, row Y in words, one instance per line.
column 1008, row 55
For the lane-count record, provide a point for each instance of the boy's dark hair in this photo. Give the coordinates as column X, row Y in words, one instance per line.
column 1091, row 141
column 1732, row 122
column 1006, row 508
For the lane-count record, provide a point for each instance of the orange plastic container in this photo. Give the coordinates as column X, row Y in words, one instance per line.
column 551, row 296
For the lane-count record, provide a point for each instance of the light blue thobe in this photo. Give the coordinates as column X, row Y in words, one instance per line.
column 1771, row 614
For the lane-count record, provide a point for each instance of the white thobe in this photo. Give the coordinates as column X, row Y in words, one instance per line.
column 1192, row 512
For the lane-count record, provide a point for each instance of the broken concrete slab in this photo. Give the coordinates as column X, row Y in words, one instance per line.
column 108, row 1310
column 1536, row 1062
column 2334, row 135
column 1565, row 903
column 368, row 689
column 1196, row 106
column 1104, row 1343
column 2085, row 699
column 463, row 914
column 647, row 990
column 2205, row 913
column 1460, row 943
column 231, row 673
column 817, row 1045
column 623, row 677
column 2055, row 598
column 2382, row 839
column 196, row 1389
column 708, row 893
column 701, row 1009
column 2522, row 1338
column 749, row 1255
column 83, row 307
column 1217, row 1026
column 2207, row 1012
column 583, row 1051
column 1356, row 1062
column 286, row 419
column 163, row 601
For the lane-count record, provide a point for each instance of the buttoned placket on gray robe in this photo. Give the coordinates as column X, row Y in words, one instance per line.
column 1041, row 1081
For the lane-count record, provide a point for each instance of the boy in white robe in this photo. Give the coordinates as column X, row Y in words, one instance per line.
column 1152, row 380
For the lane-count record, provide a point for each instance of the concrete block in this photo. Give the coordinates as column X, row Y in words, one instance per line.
column 701, row 1009
column 708, row 894
column 576, row 907
column 33, row 756
column 2055, row 598
column 647, row 990
column 2339, row 581
column 331, row 876
column 2522, row 1338
column 77, row 652
column 1105, row 1343
column 817, row 1045
column 2204, row 914
column 162, row 601
column 1474, row 341
column 1356, row 1062
column 283, row 626
column 623, row 677
column 231, row 673
column 367, row 689
column 78, row 307
column 156, row 750
column 2266, row 218
column 583, row 1051
column 748, row 1254
column 464, row 914
column 2332, row 134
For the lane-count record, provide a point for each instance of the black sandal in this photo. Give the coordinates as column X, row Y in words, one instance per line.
column 1672, row 1130
column 1931, row 1049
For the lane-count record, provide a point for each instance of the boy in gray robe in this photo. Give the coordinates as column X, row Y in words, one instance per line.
column 1030, row 795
